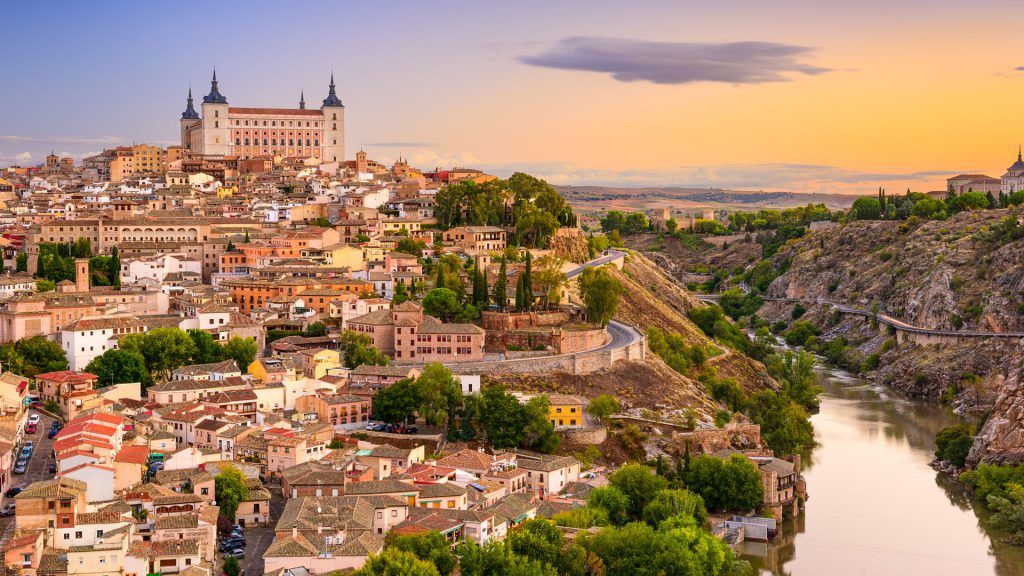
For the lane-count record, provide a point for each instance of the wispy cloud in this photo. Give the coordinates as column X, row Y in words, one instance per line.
column 630, row 60
column 12, row 139
column 401, row 144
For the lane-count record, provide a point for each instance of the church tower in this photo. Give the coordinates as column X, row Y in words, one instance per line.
column 189, row 120
column 334, row 126
column 216, row 129
column 81, row 275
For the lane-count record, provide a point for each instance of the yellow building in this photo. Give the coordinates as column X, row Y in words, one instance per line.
column 226, row 191
column 344, row 255
column 319, row 363
column 395, row 225
column 566, row 411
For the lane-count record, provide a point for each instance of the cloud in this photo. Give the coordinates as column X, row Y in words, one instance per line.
column 401, row 144
column 629, row 60
column 23, row 157
column 769, row 176
column 1019, row 69
column 12, row 139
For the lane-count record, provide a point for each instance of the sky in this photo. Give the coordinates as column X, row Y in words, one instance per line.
column 807, row 96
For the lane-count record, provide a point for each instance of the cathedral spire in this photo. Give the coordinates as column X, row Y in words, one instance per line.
column 302, row 100
column 332, row 96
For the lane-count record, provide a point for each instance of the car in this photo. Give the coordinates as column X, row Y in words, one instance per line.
column 21, row 466
column 233, row 542
column 156, row 466
column 56, row 425
column 52, row 433
column 53, row 467
column 30, row 428
column 33, row 419
column 26, row 453
column 30, row 445
column 236, row 553
column 7, row 510
column 12, row 492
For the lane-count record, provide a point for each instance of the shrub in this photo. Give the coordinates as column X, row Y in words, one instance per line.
column 799, row 332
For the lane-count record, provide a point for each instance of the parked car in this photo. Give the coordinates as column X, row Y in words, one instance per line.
column 21, row 466
column 53, row 467
column 155, row 467
column 30, row 428
column 233, row 541
column 7, row 510
column 26, row 452
column 410, row 430
column 56, row 425
column 33, row 419
column 52, row 433
column 30, row 445
column 12, row 492
column 237, row 553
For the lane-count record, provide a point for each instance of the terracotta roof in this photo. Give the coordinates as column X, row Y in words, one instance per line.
column 133, row 454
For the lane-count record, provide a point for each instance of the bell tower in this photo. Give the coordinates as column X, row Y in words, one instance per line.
column 81, row 275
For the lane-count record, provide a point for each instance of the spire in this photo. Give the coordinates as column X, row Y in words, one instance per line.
column 332, row 96
column 190, row 112
column 214, row 97
column 302, row 100
column 1018, row 153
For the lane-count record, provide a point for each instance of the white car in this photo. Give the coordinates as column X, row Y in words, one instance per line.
column 33, row 419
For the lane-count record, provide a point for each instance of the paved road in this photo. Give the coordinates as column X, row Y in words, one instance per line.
column 883, row 317
column 258, row 539
column 609, row 257
column 38, row 468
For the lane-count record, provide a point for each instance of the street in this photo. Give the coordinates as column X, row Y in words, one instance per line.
column 38, row 468
column 258, row 539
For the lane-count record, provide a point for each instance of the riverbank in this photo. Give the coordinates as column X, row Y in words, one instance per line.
column 876, row 506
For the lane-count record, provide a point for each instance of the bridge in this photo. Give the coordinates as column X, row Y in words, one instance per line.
column 905, row 331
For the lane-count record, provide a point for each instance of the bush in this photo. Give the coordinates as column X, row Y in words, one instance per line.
column 952, row 444
column 798, row 311
column 799, row 332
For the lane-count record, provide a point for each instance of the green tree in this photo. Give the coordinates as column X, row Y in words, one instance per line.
column 119, row 366
column 39, row 355
column 502, row 417
column 207, row 350
column 232, row 567
column 396, row 562
column 612, row 501
column 401, row 294
column 669, row 503
column 163, row 349
column 442, row 303
column 540, row 432
column 21, row 262
column 430, row 546
column 440, row 395
column 540, row 540
column 523, row 296
column 315, row 330
column 639, row 484
column 480, row 296
column 549, row 277
column 45, row 286
column 397, row 403
column 413, row 246
column 358, row 350
column 242, row 350
column 733, row 484
column 785, row 427
column 499, row 294
column 230, row 489
column 680, row 547
column 952, row 444
column 867, row 208
column 601, row 294
column 603, row 406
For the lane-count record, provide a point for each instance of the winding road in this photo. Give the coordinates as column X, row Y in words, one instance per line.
column 882, row 317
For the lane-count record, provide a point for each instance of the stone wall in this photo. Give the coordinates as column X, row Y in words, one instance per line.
column 490, row 320
column 578, row 363
column 557, row 340
column 585, row 435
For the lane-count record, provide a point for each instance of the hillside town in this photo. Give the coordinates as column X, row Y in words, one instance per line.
column 247, row 351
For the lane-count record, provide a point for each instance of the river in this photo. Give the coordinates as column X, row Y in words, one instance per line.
column 875, row 507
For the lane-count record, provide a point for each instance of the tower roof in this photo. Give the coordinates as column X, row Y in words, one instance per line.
column 1019, row 164
column 332, row 96
column 190, row 112
column 302, row 100
column 214, row 97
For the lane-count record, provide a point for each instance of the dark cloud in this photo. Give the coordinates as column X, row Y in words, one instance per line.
column 679, row 62
column 1019, row 69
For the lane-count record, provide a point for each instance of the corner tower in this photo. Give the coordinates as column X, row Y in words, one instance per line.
column 216, row 128
column 334, row 126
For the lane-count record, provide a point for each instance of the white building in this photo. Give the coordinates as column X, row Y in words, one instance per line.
column 1013, row 180
column 88, row 338
column 158, row 267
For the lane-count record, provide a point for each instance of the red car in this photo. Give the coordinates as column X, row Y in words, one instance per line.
column 30, row 428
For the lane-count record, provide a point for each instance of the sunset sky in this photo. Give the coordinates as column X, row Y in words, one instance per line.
column 781, row 95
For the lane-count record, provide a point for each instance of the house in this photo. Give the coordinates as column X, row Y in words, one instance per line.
column 162, row 557
column 476, row 238
column 409, row 336
column 285, row 451
column 343, row 412
column 386, row 460
column 215, row 371
column 50, row 504
column 255, row 509
column 312, row 479
column 73, row 391
column 193, row 389
column 547, row 474
column 566, row 411
column 367, row 379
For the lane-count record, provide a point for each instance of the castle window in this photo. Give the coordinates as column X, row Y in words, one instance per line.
column 216, row 124
column 316, row 142
column 216, row 113
column 334, row 116
column 264, row 122
column 273, row 122
column 307, row 124
column 264, row 141
column 335, row 126
column 238, row 141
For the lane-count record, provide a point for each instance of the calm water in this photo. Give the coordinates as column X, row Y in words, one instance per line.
column 875, row 506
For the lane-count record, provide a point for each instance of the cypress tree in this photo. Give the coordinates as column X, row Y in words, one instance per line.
column 520, row 294
column 529, row 272
column 500, row 296
column 479, row 288
column 40, row 267
column 246, row 237
column 439, row 283
column 115, row 268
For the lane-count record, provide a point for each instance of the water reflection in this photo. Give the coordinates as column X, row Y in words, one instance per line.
column 875, row 506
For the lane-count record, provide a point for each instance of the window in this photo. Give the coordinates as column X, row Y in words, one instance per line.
column 78, row 535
